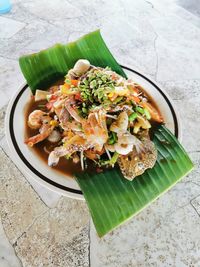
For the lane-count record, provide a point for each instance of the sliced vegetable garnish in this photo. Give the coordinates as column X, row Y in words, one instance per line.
column 147, row 113
column 139, row 109
column 112, row 161
column 112, row 138
column 132, row 117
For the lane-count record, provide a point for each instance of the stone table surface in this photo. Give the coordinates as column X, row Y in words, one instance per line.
column 41, row 228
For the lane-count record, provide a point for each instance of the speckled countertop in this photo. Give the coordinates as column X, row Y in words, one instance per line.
column 41, row 228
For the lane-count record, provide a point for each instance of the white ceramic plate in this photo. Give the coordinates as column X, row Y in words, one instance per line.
column 29, row 163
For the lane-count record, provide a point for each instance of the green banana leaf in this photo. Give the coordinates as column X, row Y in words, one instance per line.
column 43, row 68
column 110, row 198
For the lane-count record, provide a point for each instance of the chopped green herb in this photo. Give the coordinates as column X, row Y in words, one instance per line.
column 111, row 141
column 84, row 110
column 85, row 82
column 112, row 138
column 104, row 78
column 93, row 83
column 132, row 117
column 112, row 161
column 100, row 82
column 118, row 99
column 148, row 115
column 114, row 158
column 139, row 109
column 95, row 86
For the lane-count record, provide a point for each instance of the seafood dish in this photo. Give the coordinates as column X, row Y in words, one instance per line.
column 94, row 117
column 95, row 130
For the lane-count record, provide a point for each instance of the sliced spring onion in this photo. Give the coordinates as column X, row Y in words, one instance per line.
column 112, row 161
column 147, row 113
column 93, row 83
column 111, row 141
column 84, row 110
column 132, row 117
column 139, row 109
column 118, row 99
column 112, row 138
column 114, row 158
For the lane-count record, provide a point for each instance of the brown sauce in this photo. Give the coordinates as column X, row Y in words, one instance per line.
column 64, row 166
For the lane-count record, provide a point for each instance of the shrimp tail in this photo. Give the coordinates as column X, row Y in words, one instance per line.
column 39, row 137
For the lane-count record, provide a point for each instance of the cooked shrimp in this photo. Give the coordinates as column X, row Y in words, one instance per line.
column 95, row 130
column 121, row 124
column 46, row 130
column 42, row 120
column 35, row 119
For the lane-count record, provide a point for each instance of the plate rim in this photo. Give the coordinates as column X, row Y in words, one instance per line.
column 24, row 165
